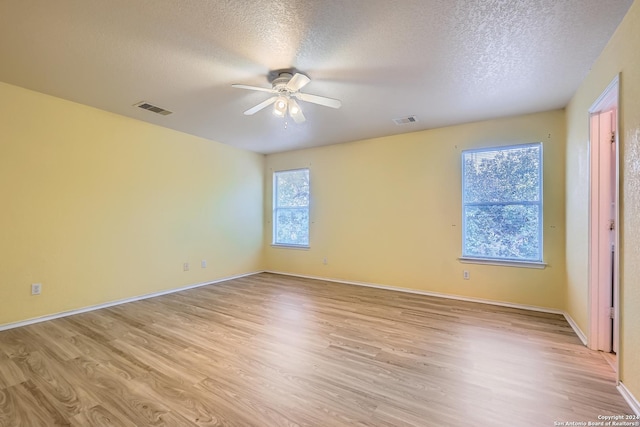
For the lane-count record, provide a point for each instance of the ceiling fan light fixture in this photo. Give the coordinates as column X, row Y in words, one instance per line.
column 295, row 111
column 280, row 106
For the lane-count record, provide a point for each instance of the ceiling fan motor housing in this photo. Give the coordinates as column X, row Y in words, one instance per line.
column 280, row 82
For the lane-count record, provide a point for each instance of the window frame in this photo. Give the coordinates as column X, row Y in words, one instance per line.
column 275, row 208
column 537, row 263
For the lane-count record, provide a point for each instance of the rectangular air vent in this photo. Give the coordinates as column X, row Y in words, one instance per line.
column 405, row 120
column 150, row 107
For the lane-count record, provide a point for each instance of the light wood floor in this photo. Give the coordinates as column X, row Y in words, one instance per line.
column 270, row 350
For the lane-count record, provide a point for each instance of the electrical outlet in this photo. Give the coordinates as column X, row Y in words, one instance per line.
column 203, row 263
column 36, row 288
column 466, row 275
column 185, row 266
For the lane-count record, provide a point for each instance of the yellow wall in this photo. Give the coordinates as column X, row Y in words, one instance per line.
column 98, row 207
column 620, row 56
column 388, row 211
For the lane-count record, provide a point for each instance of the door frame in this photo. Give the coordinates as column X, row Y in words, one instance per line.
column 607, row 101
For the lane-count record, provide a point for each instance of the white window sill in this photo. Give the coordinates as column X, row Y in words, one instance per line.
column 522, row 264
column 281, row 246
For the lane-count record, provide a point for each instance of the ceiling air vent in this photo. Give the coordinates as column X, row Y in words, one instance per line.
column 405, row 120
column 150, row 107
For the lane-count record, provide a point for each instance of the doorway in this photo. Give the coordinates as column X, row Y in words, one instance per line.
column 603, row 223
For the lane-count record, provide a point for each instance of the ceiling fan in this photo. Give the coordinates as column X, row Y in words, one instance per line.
column 286, row 89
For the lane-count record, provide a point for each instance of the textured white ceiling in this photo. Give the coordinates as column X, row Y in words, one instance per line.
column 445, row 61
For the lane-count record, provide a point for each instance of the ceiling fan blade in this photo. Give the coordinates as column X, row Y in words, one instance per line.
column 295, row 111
column 297, row 82
column 261, row 89
column 321, row 100
column 260, row 106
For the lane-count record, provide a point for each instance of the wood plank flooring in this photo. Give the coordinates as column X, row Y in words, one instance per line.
column 271, row 350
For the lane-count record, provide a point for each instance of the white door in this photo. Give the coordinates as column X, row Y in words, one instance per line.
column 603, row 228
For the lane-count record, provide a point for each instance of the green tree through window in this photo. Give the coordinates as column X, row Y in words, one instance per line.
column 291, row 208
column 502, row 203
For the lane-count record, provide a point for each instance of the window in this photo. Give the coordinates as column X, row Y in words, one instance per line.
column 291, row 208
column 502, row 203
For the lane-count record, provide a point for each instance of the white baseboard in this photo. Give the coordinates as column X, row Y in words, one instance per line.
column 576, row 328
column 630, row 398
column 429, row 293
column 566, row 315
column 571, row 322
column 117, row 302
